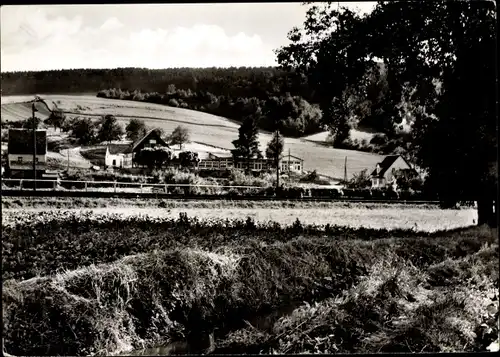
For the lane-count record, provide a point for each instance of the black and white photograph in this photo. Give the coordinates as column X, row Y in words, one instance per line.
column 249, row 178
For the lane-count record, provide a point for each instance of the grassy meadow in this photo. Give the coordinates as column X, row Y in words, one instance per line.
column 204, row 128
column 369, row 215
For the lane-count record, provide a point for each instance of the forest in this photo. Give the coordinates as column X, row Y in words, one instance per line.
column 275, row 98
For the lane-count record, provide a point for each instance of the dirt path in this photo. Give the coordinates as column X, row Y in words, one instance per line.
column 75, row 158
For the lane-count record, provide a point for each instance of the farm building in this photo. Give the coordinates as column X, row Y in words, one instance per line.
column 292, row 163
column 118, row 155
column 383, row 175
column 223, row 162
column 122, row 155
column 20, row 153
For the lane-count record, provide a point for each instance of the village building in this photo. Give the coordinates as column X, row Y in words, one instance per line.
column 383, row 174
column 118, row 156
column 123, row 155
column 226, row 161
column 292, row 163
column 20, row 153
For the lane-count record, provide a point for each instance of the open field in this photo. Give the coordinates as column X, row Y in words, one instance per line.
column 205, row 129
column 346, row 214
column 354, row 134
column 122, row 284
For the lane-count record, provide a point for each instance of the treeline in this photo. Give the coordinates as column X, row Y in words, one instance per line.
column 292, row 115
column 245, row 82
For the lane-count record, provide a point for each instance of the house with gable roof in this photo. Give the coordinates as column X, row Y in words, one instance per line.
column 20, row 153
column 383, row 175
column 122, row 155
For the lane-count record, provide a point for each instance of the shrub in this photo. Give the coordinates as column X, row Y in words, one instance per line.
column 238, row 178
column 360, row 180
column 379, row 139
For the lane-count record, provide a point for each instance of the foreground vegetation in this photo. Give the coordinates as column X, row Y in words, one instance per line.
column 426, row 218
column 110, row 284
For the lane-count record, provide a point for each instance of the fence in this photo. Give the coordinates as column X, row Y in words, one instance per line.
column 107, row 186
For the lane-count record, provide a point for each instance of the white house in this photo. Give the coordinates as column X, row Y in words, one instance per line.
column 383, row 175
column 225, row 161
column 292, row 163
column 118, row 156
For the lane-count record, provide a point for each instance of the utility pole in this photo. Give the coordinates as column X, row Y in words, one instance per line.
column 288, row 160
column 345, row 170
column 33, row 110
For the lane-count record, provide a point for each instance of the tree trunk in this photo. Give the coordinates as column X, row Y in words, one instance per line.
column 485, row 212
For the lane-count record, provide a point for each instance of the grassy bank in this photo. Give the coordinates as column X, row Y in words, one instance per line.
column 383, row 294
column 449, row 306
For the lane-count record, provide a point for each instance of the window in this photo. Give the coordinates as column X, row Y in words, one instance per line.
column 257, row 166
column 20, row 159
column 152, row 141
column 114, row 162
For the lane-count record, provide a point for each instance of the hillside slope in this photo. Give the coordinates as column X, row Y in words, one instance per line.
column 204, row 128
column 22, row 111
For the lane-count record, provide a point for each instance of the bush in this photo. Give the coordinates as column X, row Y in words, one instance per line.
column 238, row 178
column 174, row 176
column 379, row 140
column 360, row 180
column 5, row 135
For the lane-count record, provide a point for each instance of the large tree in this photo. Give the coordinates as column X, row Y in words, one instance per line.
column 327, row 53
column 179, row 136
column 56, row 119
column 109, row 129
column 274, row 152
column 440, row 59
column 246, row 147
column 84, row 130
column 135, row 129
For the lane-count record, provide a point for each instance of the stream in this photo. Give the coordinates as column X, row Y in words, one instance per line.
column 260, row 322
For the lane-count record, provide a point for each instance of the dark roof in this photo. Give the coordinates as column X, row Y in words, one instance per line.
column 137, row 142
column 119, row 148
column 284, row 158
column 385, row 165
column 21, row 142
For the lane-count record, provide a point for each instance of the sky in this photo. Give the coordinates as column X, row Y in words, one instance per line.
column 44, row 37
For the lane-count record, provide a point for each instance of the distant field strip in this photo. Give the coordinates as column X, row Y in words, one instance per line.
column 420, row 219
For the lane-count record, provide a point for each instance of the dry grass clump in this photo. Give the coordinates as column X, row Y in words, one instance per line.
column 146, row 299
column 393, row 308
column 111, row 308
